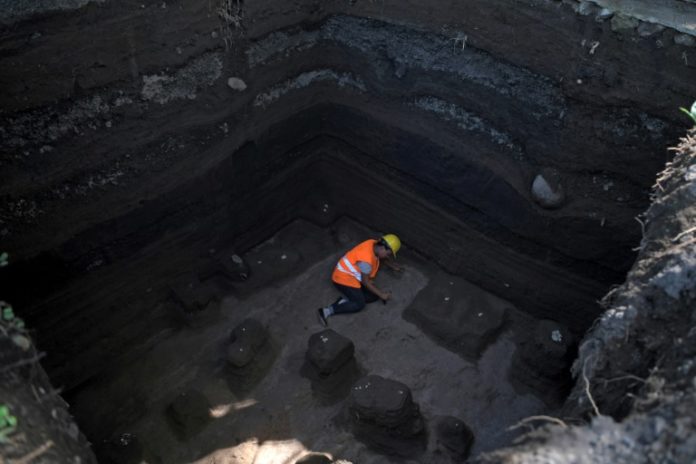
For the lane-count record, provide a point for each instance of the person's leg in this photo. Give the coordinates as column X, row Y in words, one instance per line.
column 368, row 295
column 353, row 302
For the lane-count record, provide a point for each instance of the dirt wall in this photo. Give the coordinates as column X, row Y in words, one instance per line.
column 449, row 88
column 634, row 375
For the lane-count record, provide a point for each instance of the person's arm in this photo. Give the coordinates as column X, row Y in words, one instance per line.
column 389, row 262
column 367, row 282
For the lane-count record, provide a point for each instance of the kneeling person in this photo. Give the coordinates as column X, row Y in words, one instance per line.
column 355, row 272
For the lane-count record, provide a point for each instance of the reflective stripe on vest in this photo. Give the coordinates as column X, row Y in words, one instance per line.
column 351, row 269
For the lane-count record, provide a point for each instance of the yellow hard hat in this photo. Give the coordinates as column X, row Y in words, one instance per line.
column 393, row 242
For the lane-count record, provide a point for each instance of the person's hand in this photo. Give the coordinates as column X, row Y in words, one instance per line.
column 386, row 296
column 398, row 268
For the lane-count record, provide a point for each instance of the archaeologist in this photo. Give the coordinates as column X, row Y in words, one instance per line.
column 355, row 272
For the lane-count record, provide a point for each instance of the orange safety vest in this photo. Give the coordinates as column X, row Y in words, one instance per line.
column 347, row 271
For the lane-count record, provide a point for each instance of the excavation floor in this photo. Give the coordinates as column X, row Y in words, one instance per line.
column 278, row 417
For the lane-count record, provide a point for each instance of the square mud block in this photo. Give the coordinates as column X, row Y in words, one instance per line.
column 227, row 265
column 383, row 402
column 542, row 360
column 328, row 351
column 240, row 354
column 247, row 338
column 453, row 437
column 188, row 414
column 270, row 262
column 458, row 315
column 250, row 332
column 385, row 418
column 191, row 294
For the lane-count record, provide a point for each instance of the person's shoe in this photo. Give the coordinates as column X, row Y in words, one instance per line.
column 322, row 318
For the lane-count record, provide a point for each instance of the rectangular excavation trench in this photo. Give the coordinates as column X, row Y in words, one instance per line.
column 134, row 290
column 127, row 337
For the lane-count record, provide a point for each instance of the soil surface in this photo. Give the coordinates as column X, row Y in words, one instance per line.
column 280, row 417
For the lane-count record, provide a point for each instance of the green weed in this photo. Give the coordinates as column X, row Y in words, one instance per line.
column 692, row 113
column 8, row 423
column 8, row 318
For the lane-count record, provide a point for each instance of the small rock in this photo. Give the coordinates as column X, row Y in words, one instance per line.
column 547, row 193
column 556, row 336
column 21, row 341
column 648, row 29
column 685, row 40
column 73, row 431
column 604, row 14
column 586, row 8
column 236, row 83
column 621, row 22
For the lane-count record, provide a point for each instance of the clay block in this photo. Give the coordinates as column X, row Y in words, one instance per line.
column 270, row 262
column 541, row 363
column 251, row 332
column 384, row 402
column 454, row 436
column 546, row 352
column 240, row 354
column 191, row 294
column 249, row 356
column 247, row 338
column 328, row 351
column 458, row 315
column 385, row 417
column 188, row 413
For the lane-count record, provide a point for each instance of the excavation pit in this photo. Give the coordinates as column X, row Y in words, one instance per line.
column 263, row 405
column 195, row 169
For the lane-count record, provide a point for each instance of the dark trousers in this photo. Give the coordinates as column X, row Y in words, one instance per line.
column 357, row 298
